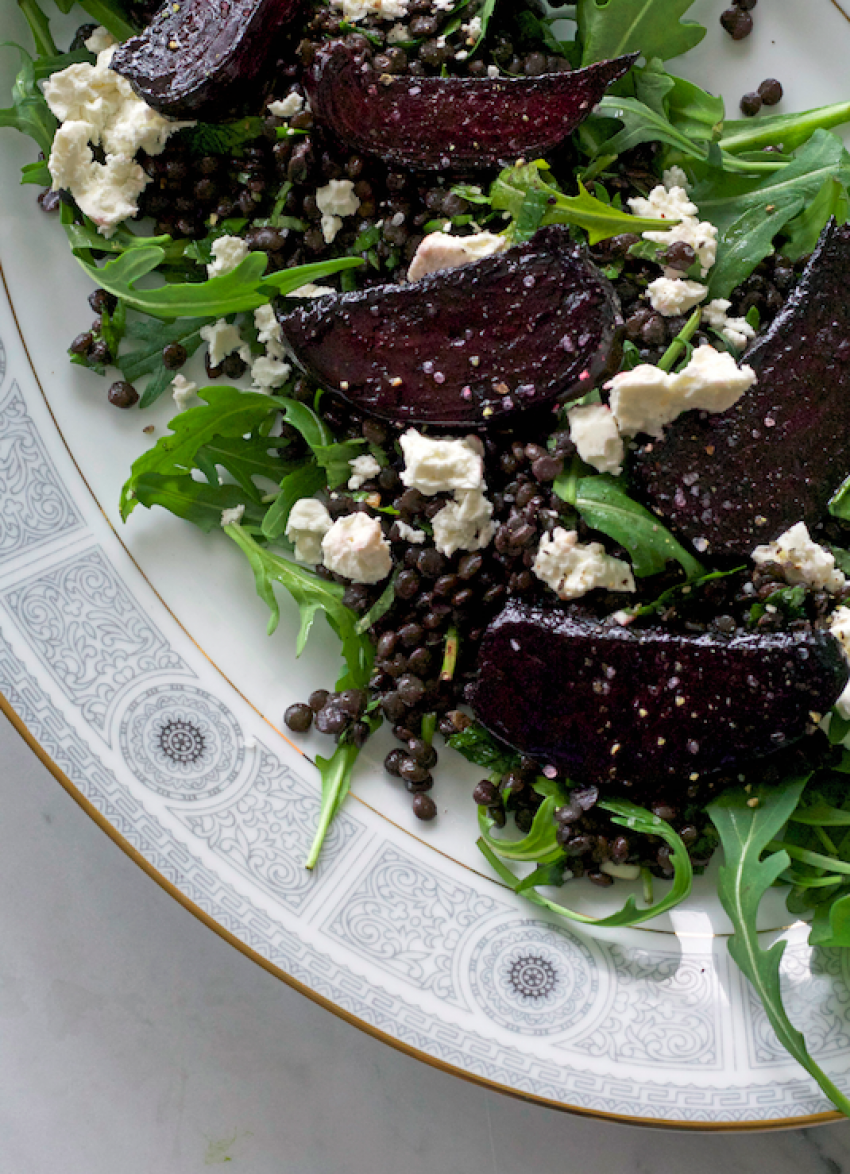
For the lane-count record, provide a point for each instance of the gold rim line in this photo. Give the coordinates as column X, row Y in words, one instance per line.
column 843, row 12
column 376, row 1033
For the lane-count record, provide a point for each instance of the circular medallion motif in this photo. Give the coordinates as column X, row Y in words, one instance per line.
column 535, row 979
column 182, row 742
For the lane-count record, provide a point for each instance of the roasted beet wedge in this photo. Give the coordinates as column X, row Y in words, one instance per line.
column 624, row 705
column 440, row 123
column 203, row 57
column 469, row 345
column 778, row 456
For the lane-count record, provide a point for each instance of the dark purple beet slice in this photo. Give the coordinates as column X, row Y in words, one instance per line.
column 203, row 56
column 742, row 478
column 646, row 705
column 439, row 123
column 469, row 345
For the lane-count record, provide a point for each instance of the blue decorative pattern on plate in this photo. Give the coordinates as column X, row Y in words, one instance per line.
column 409, row 941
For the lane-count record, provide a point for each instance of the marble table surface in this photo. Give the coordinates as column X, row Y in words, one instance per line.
column 133, row 1040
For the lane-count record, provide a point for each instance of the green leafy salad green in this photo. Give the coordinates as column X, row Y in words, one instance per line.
column 769, row 184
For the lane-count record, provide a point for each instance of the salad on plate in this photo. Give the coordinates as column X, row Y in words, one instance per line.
column 526, row 367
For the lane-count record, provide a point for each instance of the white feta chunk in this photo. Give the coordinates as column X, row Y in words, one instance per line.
column 675, row 177
column 803, row 561
column 331, row 226
column 233, row 515
column 337, row 198
column 441, row 464
column 355, row 10
column 672, row 296
column 645, row 399
column 287, row 107
column 409, row 533
column 308, row 523
column 98, row 107
column 441, row 250
column 228, row 252
column 363, row 469
column 572, row 569
column 310, row 290
column 737, row 331
column 355, row 547
column 183, row 392
column 464, row 523
column 594, row 432
column 672, row 203
column 99, row 40
column 267, row 325
column 223, row 339
column 267, row 373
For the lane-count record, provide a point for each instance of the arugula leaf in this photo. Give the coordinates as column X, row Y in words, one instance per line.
column 789, row 131
column 485, row 14
column 152, row 337
column 611, row 28
column 627, row 815
column 312, row 595
column 194, row 501
column 803, row 232
column 301, row 482
column 539, row 845
column 528, row 192
column 694, row 111
column 244, row 459
column 110, row 13
column 336, row 773
column 39, row 25
column 606, row 507
column 331, row 456
column 746, row 824
column 243, row 288
column 29, row 112
column 227, row 412
column 479, row 747
column 642, row 125
column 749, row 215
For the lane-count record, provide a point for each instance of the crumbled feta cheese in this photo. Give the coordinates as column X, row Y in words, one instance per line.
column 647, row 398
column 571, row 569
column 355, row 10
column 672, row 203
column 183, row 392
column 287, row 107
column 628, row 872
column 672, row 296
column 99, row 40
column 267, row 325
column 306, row 526
column 98, row 107
column 493, row 72
column 594, row 432
column 268, row 373
column 440, row 250
column 464, row 523
column 398, row 34
column 675, row 177
column 441, row 464
column 312, row 291
column 363, row 469
column 472, row 30
column 223, row 339
column 737, row 331
column 803, row 562
column 228, row 252
column 839, row 626
column 409, row 533
column 355, row 547
column 337, row 198
column 235, row 514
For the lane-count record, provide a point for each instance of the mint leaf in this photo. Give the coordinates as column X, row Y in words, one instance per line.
column 611, row 28
column 747, row 823
column 606, row 507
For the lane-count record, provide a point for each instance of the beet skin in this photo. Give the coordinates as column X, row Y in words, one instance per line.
column 742, row 478
column 465, row 346
column 203, row 57
column 452, row 123
column 644, row 705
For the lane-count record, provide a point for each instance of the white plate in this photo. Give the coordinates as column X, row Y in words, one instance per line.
column 134, row 659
